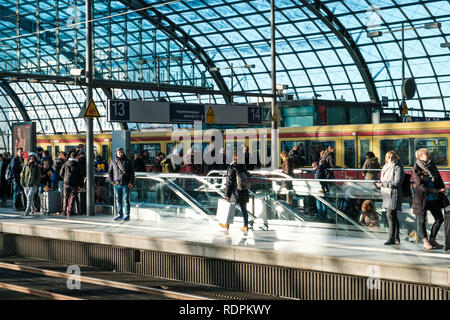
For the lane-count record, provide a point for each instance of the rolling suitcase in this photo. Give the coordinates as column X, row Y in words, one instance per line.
column 225, row 211
column 50, row 202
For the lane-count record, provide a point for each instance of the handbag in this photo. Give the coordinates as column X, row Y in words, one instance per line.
column 443, row 200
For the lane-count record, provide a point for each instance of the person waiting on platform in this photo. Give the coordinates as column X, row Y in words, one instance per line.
column 139, row 163
column 288, row 169
column 30, row 178
column 121, row 176
column 428, row 195
column 236, row 189
column 71, row 173
column 320, row 173
column 157, row 168
column 15, row 168
column 298, row 160
column 392, row 176
column 371, row 163
column 58, row 181
column 328, row 158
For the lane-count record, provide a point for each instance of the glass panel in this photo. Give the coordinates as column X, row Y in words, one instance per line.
column 349, row 153
column 436, row 147
column 400, row 146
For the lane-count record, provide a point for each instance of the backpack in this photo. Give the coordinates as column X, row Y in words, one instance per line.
column 9, row 174
column 243, row 180
column 406, row 187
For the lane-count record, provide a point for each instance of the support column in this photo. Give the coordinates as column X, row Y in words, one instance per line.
column 89, row 121
column 274, row 131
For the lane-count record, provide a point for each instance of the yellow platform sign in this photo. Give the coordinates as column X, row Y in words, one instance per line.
column 276, row 115
column 210, row 117
column 91, row 111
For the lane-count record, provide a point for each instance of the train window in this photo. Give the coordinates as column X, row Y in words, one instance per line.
column 49, row 149
column 69, row 148
column 169, row 147
column 437, row 148
column 56, row 152
column 349, row 153
column 287, row 145
column 317, row 147
column 148, row 151
column 364, row 147
column 400, row 146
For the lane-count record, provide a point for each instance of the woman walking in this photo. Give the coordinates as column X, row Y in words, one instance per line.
column 371, row 163
column 30, row 178
column 427, row 197
column 391, row 189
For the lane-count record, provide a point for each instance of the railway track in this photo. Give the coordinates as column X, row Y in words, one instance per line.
column 26, row 278
column 47, row 284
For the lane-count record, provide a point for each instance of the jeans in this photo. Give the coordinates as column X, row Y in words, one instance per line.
column 435, row 209
column 16, row 193
column 321, row 210
column 29, row 192
column 243, row 206
column 394, row 225
column 122, row 200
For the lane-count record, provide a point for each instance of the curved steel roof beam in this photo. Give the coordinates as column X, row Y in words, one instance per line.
column 332, row 22
column 170, row 28
column 16, row 100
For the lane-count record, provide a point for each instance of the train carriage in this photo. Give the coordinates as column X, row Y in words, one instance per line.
column 351, row 142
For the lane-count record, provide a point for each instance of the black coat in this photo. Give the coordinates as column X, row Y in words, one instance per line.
column 139, row 165
column 422, row 189
column 116, row 176
column 231, row 191
column 71, row 173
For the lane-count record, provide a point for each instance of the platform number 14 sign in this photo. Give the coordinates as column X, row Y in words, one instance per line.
column 254, row 115
column 119, row 110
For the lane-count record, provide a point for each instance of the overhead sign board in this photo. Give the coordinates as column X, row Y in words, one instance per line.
column 167, row 112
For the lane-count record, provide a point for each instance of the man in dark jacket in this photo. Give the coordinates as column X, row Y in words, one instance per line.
column 121, row 176
column 298, row 160
column 73, row 181
column 4, row 185
column 57, row 165
column 157, row 164
column 16, row 168
column 232, row 192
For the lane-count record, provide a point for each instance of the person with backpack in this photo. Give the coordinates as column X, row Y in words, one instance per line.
column 72, row 176
column 13, row 176
column 30, row 178
column 121, row 176
column 58, row 183
column 428, row 196
column 391, row 181
column 236, row 190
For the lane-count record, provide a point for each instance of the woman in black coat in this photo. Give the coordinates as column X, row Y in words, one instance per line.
column 429, row 187
column 232, row 193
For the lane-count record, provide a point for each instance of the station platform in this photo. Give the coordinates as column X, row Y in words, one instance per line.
column 318, row 252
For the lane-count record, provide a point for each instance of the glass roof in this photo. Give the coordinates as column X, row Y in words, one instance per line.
column 323, row 50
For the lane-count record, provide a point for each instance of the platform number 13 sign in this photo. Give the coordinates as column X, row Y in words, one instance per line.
column 118, row 110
